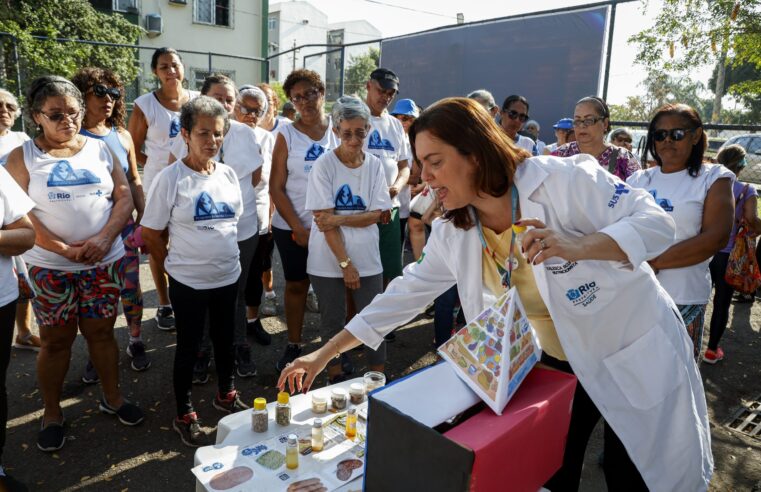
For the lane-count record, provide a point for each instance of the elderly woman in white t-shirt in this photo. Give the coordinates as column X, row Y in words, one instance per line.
column 191, row 225
column 346, row 193
column 699, row 198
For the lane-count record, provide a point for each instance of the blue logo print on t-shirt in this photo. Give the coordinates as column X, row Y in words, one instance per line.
column 207, row 209
column 378, row 143
column 345, row 200
column 65, row 175
column 174, row 127
column 664, row 203
column 315, row 151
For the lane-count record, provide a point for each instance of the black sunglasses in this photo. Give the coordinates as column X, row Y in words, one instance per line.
column 676, row 134
column 515, row 115
column 101, row 90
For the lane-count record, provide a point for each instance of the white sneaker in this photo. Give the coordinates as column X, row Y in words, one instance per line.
column 312, row 304
column 269, row 306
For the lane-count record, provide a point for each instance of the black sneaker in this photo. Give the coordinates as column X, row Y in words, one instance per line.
column 231, row 403
column 201, row 369
column 128, row 413
column 10, row 484
column 90, row 376
column 291, row 353
column 189, row 429
column 165, row 318
column 140, row 360
column 51, row 437
column 244, row 366
column 346, row 366
column 256, row 329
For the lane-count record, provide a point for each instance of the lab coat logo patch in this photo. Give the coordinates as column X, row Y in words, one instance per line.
column 207, row 209
column 377, row 143
column 583, row 295
column 617, row 194
column 346, row 200
column 65, row 175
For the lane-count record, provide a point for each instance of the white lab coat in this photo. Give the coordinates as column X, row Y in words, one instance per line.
column 621, row 332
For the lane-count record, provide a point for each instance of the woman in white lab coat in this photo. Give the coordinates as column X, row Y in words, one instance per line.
column 584, row 280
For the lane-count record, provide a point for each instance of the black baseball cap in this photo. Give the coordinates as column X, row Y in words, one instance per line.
column 386, row 78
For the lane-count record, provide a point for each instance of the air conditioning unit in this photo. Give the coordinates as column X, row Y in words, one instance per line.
column 154, row 24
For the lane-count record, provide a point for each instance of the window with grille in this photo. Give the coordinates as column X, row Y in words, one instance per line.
column 215, row 12
column 272, row 23
column 125, row 5
column 199, row 75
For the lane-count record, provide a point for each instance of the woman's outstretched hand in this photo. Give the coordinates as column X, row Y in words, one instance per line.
column 309, row 365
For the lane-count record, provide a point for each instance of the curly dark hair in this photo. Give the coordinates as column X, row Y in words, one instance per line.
column 303, row 75
column 88, row 77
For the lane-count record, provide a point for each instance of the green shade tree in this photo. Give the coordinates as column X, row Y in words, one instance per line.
column 359, row 70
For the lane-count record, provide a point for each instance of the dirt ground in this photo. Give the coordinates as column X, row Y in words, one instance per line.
column 103, row 455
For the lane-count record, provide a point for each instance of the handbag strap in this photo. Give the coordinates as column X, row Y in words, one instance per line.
column 613, row 160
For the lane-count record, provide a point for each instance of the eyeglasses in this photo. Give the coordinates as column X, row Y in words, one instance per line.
column 405, row 118
column 244, row 110
column 101, row 90
column 676, row 134
column 623, row 140
column 587, row 121
column 59, row 117
column 10, row 107
column 359, row 134
column 310, row 95
column 515, row 115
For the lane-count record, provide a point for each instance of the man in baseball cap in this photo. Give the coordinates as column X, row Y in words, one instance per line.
column 386, row 78
column 563, row 133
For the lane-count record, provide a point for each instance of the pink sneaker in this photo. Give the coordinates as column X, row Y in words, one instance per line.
column 712, row 357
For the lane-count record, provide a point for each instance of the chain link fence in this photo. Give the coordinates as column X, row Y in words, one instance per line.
column 719, row 135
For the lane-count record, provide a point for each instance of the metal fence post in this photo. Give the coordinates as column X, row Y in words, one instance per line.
column 17, row 64
column 210, row 69
column 341, row 77
column 610, row 48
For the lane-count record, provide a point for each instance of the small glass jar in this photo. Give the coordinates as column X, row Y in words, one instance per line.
column 351, row 423
column 373, row 380
column 292, row 452
column 319, row 403
column 318, row 436
column 338, row 398
column 283, row 409
column 259, row 416
column 357, row 393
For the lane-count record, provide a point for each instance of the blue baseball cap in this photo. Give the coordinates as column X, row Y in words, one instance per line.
column 406, row 107
column 564, row 124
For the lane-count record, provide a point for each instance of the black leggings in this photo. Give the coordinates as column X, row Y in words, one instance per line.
column 261, row 263
column 722, row 299
column 7, row 317
column 620, row 472
column 191, row 307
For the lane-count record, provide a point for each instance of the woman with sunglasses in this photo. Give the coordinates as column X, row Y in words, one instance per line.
column 297, row 148
column 9, row 140
column 591, row 120
column 154, row 124
column 699, row 198
column 251, row 106
column 733, row 157
column 83, row 203
column 513, row 115
column 346, row 193
column 239, row 151
column 104, row 120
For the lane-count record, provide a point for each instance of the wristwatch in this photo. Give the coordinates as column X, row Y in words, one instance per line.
column 344, row 264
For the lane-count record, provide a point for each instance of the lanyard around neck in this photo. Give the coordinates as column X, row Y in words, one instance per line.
column 506, row 271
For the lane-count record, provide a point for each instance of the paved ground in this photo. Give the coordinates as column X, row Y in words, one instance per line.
column 104, row 455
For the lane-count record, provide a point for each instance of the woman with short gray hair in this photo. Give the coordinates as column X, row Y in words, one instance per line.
column 346, row 193
column 194, row 206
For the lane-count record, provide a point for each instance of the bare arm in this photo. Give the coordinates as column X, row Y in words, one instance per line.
column 256, row 177
column 17, row 237
column 750, row 214
column 278, row 178
column 401, row 178
column 133, row 176
column 157, row 242
column 718, row 217
column 138, row 128
column 596, row 246
column 327, row 220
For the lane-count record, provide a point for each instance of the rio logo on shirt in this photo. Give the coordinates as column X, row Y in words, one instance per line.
column 346, row 200
column 377, row 143
column 664, row 203
column 174, row 127
column 315, row 151
column 208, row 209
column 617, row 194
column 65, row 175
column 583, row 295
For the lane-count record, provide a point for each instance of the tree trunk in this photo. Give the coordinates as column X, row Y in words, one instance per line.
column 719, row 92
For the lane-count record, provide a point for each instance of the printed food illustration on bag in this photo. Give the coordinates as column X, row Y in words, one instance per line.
column 494, row 352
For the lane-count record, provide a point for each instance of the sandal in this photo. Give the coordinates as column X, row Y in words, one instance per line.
column 28, row 342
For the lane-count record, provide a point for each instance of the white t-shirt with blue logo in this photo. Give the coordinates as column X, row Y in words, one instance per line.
column 683, row 196
column 201, row 212
column 163, row 128
column 303, row 153
column 73, row 200
column 267, row 144
column 390, row 144
column 10, row 141
column 14, row 204
column 348, row 191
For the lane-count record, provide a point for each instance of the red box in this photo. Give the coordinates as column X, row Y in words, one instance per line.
column 522, row 448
